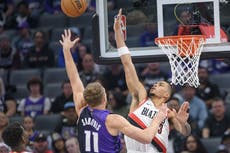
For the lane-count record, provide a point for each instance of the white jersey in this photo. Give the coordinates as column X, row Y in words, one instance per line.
column 142, row 117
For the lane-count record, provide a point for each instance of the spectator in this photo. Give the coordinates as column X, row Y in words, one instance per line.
column 225, row 140
column 9, row 58
column 82, row 51
column 217, row 122
column 194, row 145
column 111, row 5
column 222, row 149
column 67, row 127
column 117, row 103
column 58, row 143
column 75, row 32
column 152, row 74
column 23, row 15
column 35, row 7
column 61, row 100
column 72, row 145
column 136, row 17
column 148, row 36
column 112, row 40
column 207, row 90
column 40, row 144
column 115, row 79
column 40, row 56
column 52, row 6
column 4, row 148
column 7, row 103
column 4, row 121
column 216, row 66
column 198, row 110
column 23, row 42
column 90, row 73
column 185, row 18
column 15, row 137
column 6, row 12
column 91, row 6
column 28, row 124
column 35, row 104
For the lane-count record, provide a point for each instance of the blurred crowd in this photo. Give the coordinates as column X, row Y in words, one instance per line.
column 29, row 48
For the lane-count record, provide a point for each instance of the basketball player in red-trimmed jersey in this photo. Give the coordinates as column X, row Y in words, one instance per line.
column 143, row 109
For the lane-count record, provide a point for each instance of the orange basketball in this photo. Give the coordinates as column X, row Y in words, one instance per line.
column 73, row 8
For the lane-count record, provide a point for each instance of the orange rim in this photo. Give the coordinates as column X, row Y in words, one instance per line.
column 184, row 41
column 183, row 37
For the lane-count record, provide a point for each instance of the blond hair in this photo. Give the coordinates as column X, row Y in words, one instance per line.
column 94, row 94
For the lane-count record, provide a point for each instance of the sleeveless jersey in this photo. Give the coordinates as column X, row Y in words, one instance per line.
column 142, row 117
column 34, row 108
column 93, row 135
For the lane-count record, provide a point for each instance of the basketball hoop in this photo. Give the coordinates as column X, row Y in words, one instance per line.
column 184, row 54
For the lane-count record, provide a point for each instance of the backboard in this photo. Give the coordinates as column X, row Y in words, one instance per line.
column 149, row 19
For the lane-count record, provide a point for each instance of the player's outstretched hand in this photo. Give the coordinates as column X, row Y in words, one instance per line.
column 182, row 115
column 66, row 40
column 117, row 21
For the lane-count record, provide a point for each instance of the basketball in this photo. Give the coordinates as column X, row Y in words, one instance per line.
column 73, row 8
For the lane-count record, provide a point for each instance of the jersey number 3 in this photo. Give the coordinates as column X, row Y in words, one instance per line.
column 88, row 136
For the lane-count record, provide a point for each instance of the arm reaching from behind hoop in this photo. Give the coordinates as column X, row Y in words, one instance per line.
column 135, row 87
column 72, row 71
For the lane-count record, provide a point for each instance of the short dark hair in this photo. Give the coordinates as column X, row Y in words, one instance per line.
column 35, row 80
column 13, row 134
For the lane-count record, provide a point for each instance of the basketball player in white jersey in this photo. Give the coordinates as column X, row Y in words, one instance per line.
column 143, row 109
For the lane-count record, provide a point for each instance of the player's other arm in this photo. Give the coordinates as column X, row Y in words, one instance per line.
column 180, row 119
column 134, row 85
column 72, row 71
column 144, row 136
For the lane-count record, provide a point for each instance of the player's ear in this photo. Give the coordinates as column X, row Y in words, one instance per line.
column 166, row 95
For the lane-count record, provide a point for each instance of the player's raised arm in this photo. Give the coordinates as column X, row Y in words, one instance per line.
column 72, row 71
column 134, row 85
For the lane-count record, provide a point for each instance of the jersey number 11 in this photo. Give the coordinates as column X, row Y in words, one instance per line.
column 88, row 136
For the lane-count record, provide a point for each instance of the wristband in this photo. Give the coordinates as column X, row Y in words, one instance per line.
column 123, row 50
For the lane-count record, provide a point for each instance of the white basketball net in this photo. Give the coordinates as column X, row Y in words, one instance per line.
column 184, row 55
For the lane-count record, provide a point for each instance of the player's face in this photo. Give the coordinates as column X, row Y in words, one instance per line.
column 160, row 89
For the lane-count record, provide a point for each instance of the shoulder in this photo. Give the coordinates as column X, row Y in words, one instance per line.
column 22, row 102
column 114, row 120
column 198, row 100
column 47, row 100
